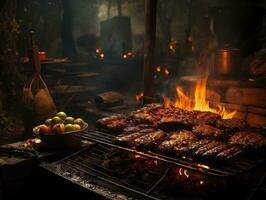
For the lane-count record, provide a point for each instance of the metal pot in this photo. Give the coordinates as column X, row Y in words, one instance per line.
column 227, row 62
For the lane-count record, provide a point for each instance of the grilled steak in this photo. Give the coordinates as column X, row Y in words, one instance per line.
column 231, row 124
column 248, row 139
column 216, row 150
column 116, row 125
column 174, row 123
column 150, row 140
column 177, row 139
column 231, row 152
column 102, row 123
column 200, row 117
column 201, row 150
column 127, row 140
column 143, row 118
column 207, row 131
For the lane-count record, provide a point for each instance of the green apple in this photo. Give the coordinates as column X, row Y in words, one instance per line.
column 56, row 120
column 48, row 122
column 76, row 127
column 62, row 115
column 79, row 121
column 69, row 120
column 69, row 127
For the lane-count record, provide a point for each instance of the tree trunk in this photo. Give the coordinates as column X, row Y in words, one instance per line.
column 69, row 48
column 149, row 43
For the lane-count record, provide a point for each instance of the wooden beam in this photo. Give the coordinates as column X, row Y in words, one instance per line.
column 149, row 43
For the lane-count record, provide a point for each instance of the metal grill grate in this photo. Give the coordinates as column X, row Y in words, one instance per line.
column 230, row 169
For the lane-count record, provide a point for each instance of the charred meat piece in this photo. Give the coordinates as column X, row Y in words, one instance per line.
column 216, row 150
column 132, row 129
column 150, row 140
column 198, row 144
column 174, row 123
column 248, row 139
column 177, row 139
column 231, row 152
column 127, row 140
column 143, row 118
column 116, row 125
column 102, row 123
column 201, row 150
column 207, row 131
column 231, row 124
column 200, row 117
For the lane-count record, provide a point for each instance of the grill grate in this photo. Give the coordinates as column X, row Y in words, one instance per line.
column 87, row 164
column 227, row 170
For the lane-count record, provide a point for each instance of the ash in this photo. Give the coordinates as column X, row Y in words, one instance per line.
column 85, row 181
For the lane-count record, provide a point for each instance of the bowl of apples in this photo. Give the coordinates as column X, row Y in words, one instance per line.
column 60, row 131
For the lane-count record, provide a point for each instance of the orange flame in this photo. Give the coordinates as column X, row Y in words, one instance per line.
column 199, row 101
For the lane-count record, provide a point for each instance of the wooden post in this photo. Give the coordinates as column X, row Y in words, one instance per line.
column 149, row 43
column 119, row 9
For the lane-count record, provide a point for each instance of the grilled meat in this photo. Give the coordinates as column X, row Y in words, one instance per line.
column 201, row 150
column 116, row 125
column 143, row 118
column 102, row 123
column 216, row 150
column 207, row 131
column 231, row 124
column 248, row 139
column 132, row 129
column 150, row 140
column 177, row 139
column 203, row 117
column 127, row 140
column 174, row 123
column 231, row 152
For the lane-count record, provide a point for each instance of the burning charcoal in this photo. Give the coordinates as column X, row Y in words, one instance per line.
column 150, row 140
column 231, row 124
column 248, row 139
column 207, row 131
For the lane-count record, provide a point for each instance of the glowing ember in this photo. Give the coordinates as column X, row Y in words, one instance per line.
column 201, row 182
column 198, row 102
column 203, row 166
column 166, row 72
column 135, row 156
column 138, row 96
column 186, row 173
column 158, row 69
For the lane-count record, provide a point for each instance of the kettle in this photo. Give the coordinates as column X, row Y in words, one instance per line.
column 227, row 62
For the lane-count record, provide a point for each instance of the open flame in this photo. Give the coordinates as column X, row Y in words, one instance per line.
column 198, row 102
